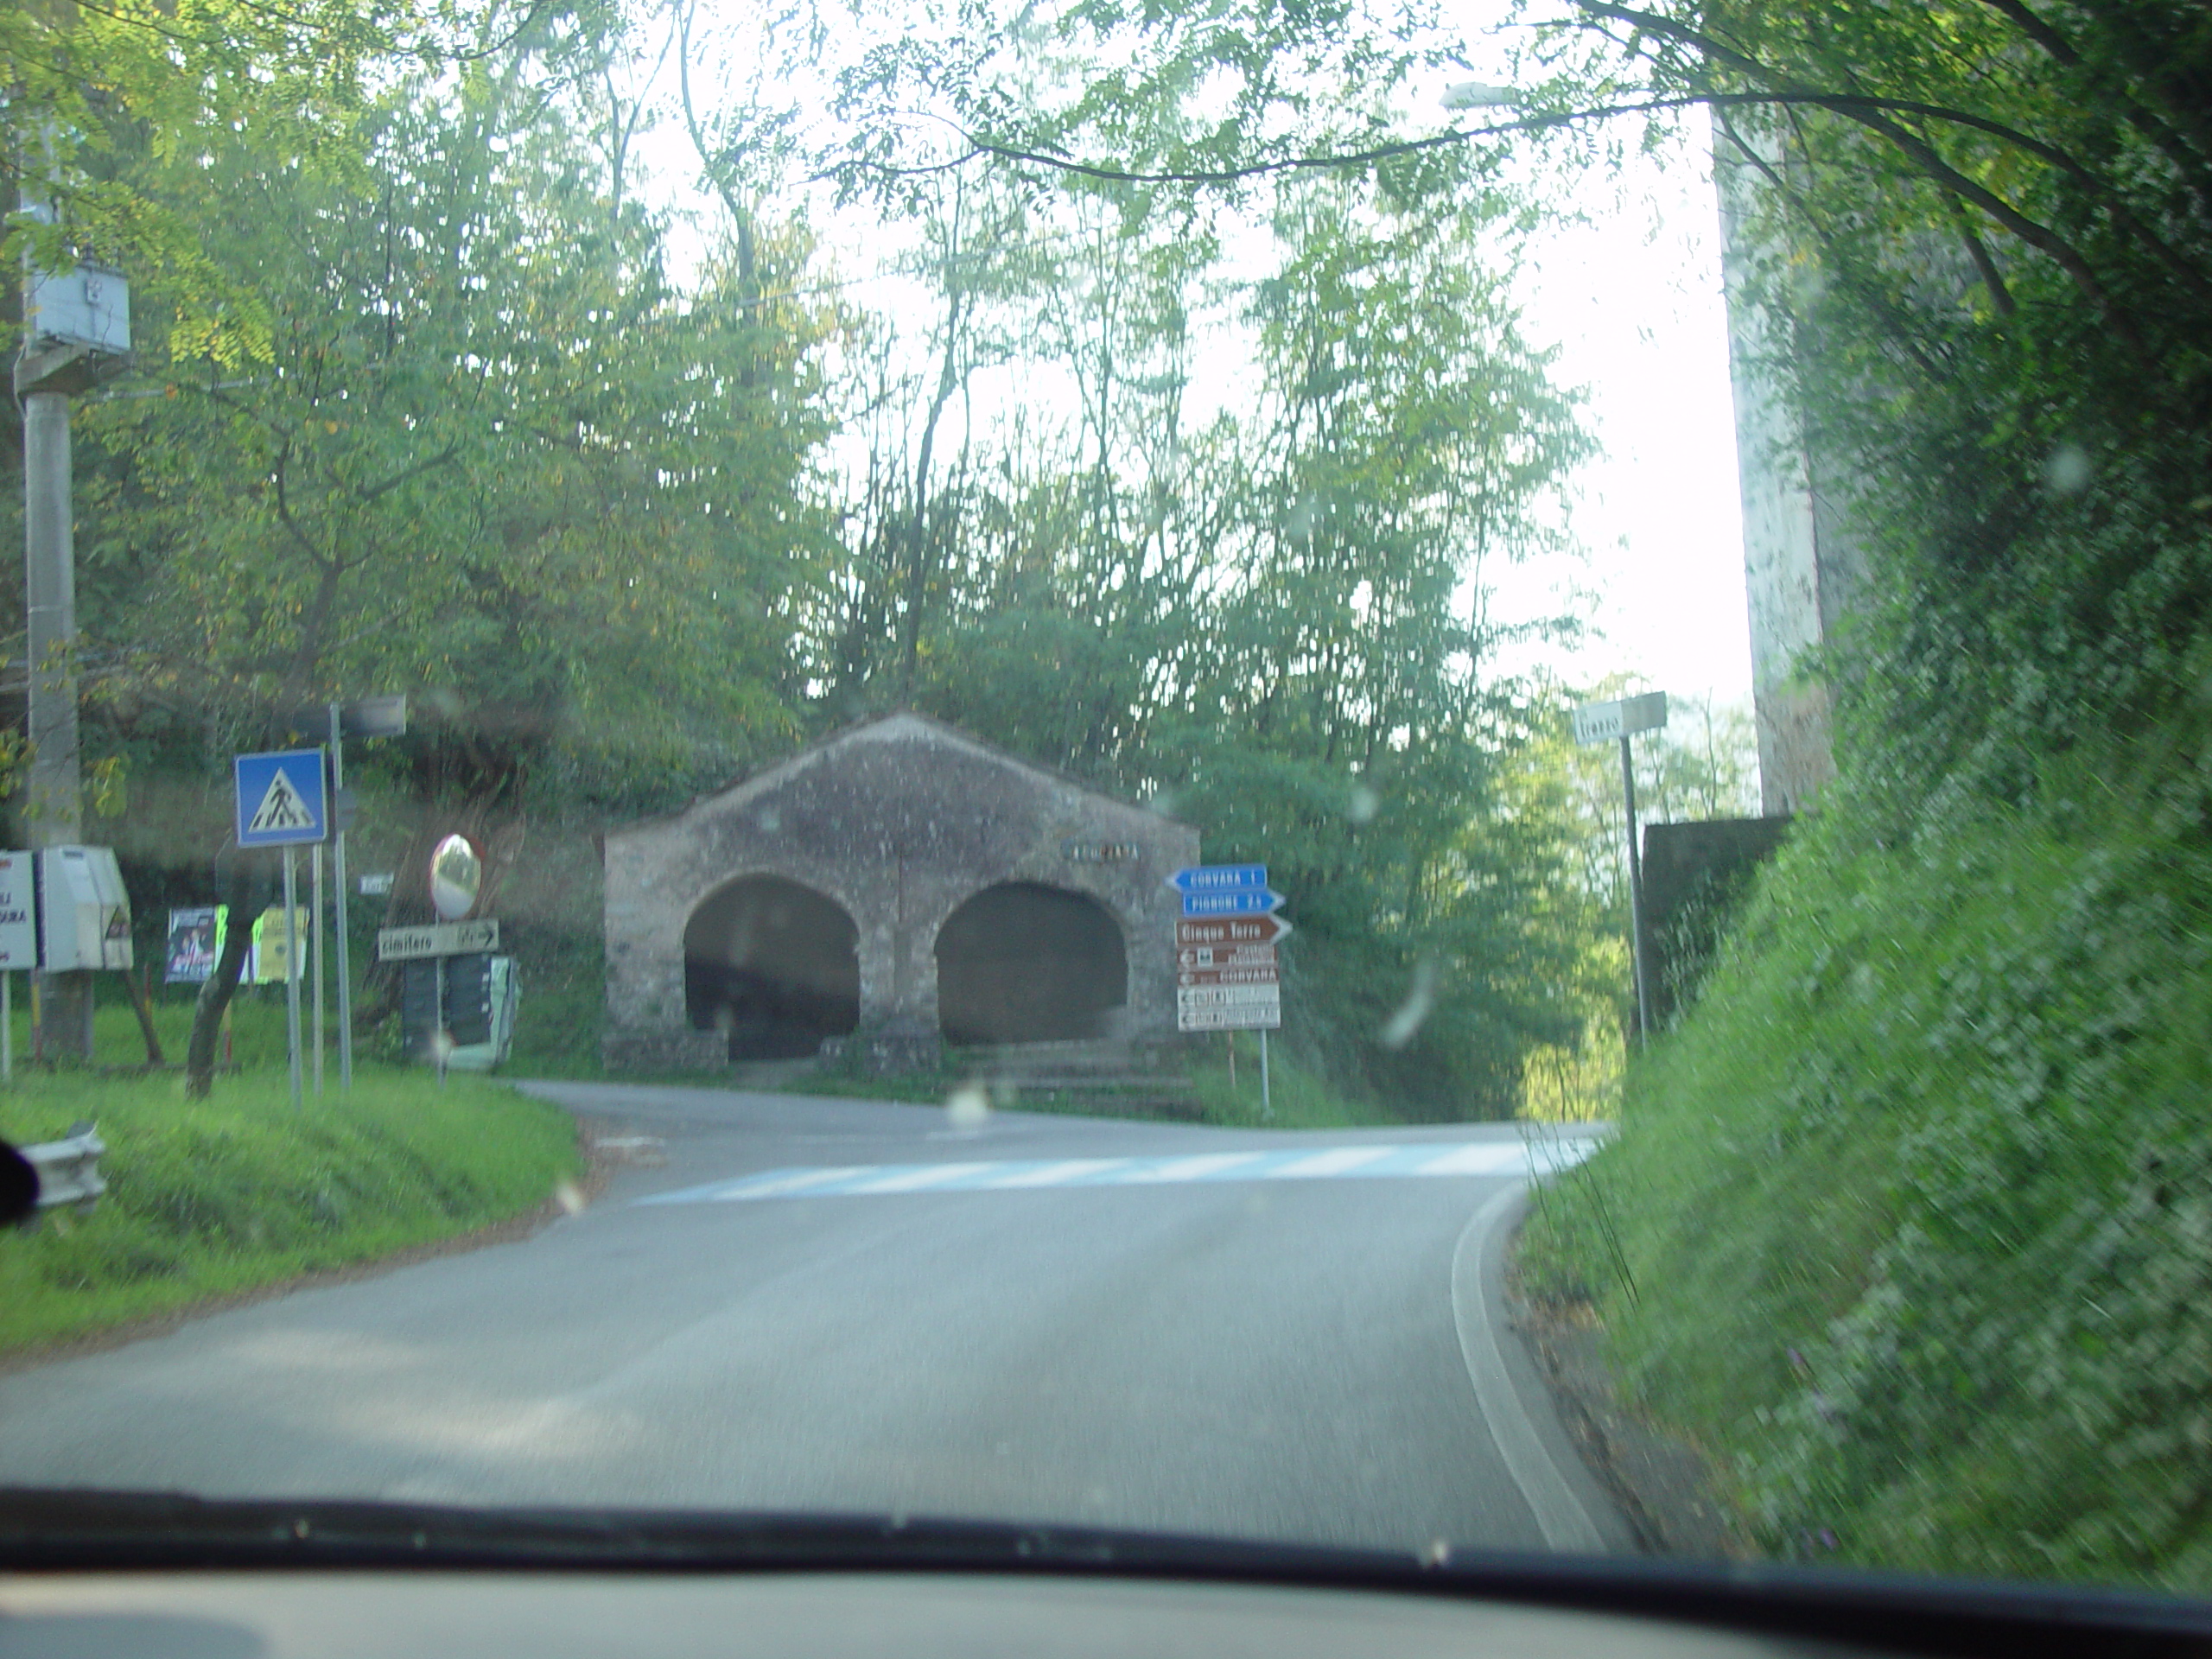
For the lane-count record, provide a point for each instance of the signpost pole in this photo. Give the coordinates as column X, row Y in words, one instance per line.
column 7, row 1027
column 292, row 969
column 314, row 932
column 338, row 877
column 1636, row 900
column 1266, row 1101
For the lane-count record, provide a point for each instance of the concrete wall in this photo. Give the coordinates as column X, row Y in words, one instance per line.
column 899, row 821
column 1799, row 567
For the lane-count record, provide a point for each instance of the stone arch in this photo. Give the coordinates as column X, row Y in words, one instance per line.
column 775, row 963
column 1022, row 963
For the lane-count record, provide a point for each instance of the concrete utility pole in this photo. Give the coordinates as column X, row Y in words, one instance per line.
column 77, row 332
column 54, row 804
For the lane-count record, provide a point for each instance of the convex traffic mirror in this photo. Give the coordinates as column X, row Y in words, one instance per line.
column 456, row 875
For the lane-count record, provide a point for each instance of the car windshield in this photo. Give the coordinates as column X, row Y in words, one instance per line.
column 1427, row 776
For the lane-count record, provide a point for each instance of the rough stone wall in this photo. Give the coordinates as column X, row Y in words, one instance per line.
column 899, row 821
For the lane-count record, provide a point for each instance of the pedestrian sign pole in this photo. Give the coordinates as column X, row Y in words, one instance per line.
column 282, row 803
column 292, row 970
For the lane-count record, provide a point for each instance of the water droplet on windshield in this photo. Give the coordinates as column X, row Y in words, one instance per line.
column 2067, row 472
column 1365, row 804
column 1420, row 997
column 968, row 1107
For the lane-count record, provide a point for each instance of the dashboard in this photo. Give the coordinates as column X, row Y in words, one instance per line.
column 455, row 1615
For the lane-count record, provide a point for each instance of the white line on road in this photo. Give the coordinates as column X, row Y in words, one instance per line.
column 1561, row 1517
column 1368, row 1161
column 1060, row 1174
column 1489, row 1158
column 913, row 1180
column 1198, row 1168
column 1340, row 1162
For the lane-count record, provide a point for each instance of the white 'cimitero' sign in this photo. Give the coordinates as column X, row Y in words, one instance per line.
column 1603, row 722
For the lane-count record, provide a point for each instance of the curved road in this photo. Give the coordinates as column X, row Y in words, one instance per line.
column 1161, row 1327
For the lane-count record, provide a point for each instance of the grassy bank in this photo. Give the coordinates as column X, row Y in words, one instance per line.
column 208, row 1197
column 1911, row 1221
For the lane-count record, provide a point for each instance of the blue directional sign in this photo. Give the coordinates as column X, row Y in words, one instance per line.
column 1237, row 902
column 1218, row 878
column 281, row 801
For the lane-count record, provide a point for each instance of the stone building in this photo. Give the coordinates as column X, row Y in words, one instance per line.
column 898, row 885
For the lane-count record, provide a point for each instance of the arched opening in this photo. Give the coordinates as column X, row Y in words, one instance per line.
column 774, row 963
column 1024, row 964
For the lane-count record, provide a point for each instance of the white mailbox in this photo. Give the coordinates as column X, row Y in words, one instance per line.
column 83, row 914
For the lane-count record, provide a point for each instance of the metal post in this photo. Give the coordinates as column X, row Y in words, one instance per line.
column 53, row 810
column 7, row 1027
column 292, row 969
column 1266, row 1101
column 314, row 933
column 1636, row 902
column 338, row 877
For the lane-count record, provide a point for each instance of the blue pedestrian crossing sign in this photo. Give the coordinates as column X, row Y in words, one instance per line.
column 281, row 801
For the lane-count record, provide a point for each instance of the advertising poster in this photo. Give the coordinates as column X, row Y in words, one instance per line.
column 268, row 944
column 195, row 940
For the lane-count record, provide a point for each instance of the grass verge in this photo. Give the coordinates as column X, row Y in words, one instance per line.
column 206, row 1197
column 1908, row 1220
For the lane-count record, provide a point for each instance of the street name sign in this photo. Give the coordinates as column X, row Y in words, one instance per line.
column 1222, row 996
column 1218, row 878
column 437, row 939
column 280, row 798
column 1230, row 930
column 1604, row 722
column 1226, row 975
column 1235, row 901
column 1225, row 956
column 1231, row 1016
column 1192, row 978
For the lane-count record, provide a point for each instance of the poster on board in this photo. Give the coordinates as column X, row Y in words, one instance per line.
column 195, row 940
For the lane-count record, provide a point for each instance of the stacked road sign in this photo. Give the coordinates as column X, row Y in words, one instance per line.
column 1225, row 968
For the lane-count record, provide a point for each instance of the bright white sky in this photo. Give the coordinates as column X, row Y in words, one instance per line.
column 1632, row 300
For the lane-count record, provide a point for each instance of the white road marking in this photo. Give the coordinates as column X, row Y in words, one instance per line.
column 1196, row 1169
column 1372, row 1160
column 913, row 1180
column 1060, row 1174
column 1341, row 1161
column 1484, row 1157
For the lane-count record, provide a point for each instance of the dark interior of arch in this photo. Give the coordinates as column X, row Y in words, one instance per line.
column 774, row 963
column 1024, row 964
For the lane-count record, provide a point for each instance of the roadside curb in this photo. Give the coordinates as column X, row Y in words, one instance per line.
column 1570, row 1506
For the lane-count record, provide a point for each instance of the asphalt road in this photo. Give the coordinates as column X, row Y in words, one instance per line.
column 1314, row 1359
